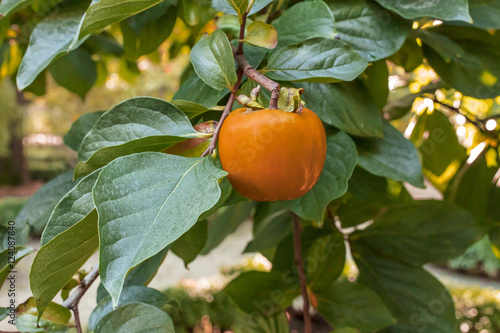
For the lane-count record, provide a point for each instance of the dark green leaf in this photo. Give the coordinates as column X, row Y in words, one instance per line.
column 57, row 261
column 270, row 230
column 316, row 60
column 440, row 9
column 376, row 79
column 4, row 312
column 6, row 266
column 75, row 71
column 303, row 21
column 265, row 292
column 38, row 208
column 197, row 91
column 410, row 56
column 224, row 6
column 415, row 298
column 80, row 128
column 371, row 30
column 340, row 161
column 191, row 109
column 347, row 106
column 212, row 59
column 485, row 13
column 71, row 209
column 393, row 156
column 50, row 38
column 422, row 232
column 189, row 245
column 347, row 304
column 132, row 294
column 179, row 190
column 254, row 323
column 136, row 317
column 135, row 125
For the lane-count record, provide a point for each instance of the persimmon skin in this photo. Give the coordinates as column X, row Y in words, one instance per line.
column 272, row 154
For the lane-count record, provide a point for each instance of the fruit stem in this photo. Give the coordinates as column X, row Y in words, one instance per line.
column 299, row 264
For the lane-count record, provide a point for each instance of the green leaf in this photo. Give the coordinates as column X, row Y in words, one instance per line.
column 189, row 245
column 37, row 210
column 102, row 13
column 197, row 91
column 179, row 190
column 228, row 8
column 264, row 292
column 317, row 60
column 75, row 71
column 325, row 261
column 261, row 34
column 80, row 128
column 140, row 275
column 415, row 298
column 259, row 324
column 212, row 59
column 135, row 125
column 71, row 209
column 50, row 38
column 4, row 312
column 136, row 317
column 225, row 222
column 54, row 320
column 340, row 161
column 376, row 79
column 414, row 233
column 393, row 156
column 58, row 261
column 132, row 294
column 6, row 266
column 346, row 105
column 8, row 7
column 410, row 56
column 347, row 304
column 440, row 9
column 485, row 13
column 303, row 21
column 191, row 109
column 372, row 31
column 452, row 53
column 270, row 230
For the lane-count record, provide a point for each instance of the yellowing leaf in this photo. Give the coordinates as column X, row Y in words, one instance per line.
column 261, row 34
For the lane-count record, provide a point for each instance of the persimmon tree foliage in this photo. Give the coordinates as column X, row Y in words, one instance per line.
column 150, row 182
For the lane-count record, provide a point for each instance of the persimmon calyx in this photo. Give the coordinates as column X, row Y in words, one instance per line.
column 251, row 102
column 289, row 99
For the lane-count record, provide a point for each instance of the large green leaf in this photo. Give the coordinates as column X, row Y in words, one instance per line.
column 303, row 21
column 393, row 156
column 72, row 208
column 129, row 295
column 80, row 128
column 340, row 161
column 225, row 222
column 197, row 91
column 271, row 229
column 371, row 30
column 254, row 323
column 415, row 298
column 75, row 71
column 316, row 60
column 452, row 53
column 54, row 320
column 10, row 6
column 37, row 210
column 264, row 292
column 57, row 261
column 212, row 59
column 50, row 38
column 422, row 232
column 457, row 10
column 179, row 190
column 189, row 245
column 345, row 105
column 485, row 13
column 191, row 109
column 347, row 304
column 136, row 317
column 135, row 125
column 224, row 6
column 105, row 12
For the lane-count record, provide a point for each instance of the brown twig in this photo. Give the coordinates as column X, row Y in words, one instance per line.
column 299, row 264
column 77, row 319
column 75, row 297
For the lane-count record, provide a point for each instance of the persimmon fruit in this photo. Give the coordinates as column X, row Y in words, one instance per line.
column 272, row 154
